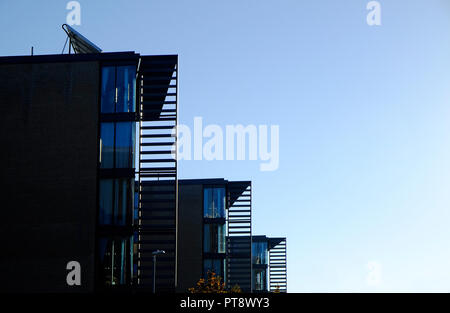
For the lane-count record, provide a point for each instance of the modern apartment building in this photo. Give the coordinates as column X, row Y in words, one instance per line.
column 90, row 178
column 269, row 264
column 207, row 223
column 215, row 234
column 73, row 188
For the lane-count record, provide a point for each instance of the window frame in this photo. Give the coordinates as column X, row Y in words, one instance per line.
column 132, row 149
column 116, row 96
column 129, row 209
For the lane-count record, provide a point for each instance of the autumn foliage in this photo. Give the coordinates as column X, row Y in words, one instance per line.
column 213, row 284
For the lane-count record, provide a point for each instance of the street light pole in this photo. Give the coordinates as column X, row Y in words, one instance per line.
column 155, row 253
column 154, row 273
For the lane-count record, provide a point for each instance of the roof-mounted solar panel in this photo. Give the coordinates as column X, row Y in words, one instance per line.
column 80, row 43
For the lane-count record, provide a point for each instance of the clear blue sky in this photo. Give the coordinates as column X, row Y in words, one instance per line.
column 363, row 112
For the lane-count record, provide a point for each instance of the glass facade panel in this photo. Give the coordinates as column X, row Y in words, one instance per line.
column 125, row 140
column 126, row 88
column 213, row 265
column 116, row 257
column 214, row 238
column 116, row 192
column 259, row 280
column 136, row 206
column 123, row 195
column 116, row 201
column 106, row 201
column 119, row 138
column 108, row 89
column 107, row 145
column 214, row 203
column 118, row 89
column 259, row 252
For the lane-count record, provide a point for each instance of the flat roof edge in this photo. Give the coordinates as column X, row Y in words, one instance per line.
column 49, row 58
column 199, row 181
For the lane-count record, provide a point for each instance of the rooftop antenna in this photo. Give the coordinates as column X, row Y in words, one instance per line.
column 78, row 42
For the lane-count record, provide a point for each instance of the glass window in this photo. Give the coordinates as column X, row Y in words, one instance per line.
column 107, row 145
column 108, row 89
column 119, row 138
column 124, row 193
column 136, row 206
column 214, row 203
column 118, row 89
column 213, row 265
column 126, row 88
column 259, row 252
column 116, row 201
column 214, row 238
column 116, row 257
column 259, row 280
column 106, row 201
column 125, row 133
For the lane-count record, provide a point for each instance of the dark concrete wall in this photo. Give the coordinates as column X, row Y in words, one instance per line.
column 190, row 235
column 48, row 135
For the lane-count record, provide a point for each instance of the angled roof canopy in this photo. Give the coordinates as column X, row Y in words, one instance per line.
column 80, row 43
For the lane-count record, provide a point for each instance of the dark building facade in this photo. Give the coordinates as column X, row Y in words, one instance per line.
column 49, row 126
column 74, row 190
column 90, row 181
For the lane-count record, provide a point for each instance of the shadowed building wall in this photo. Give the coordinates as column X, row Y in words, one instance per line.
column 190, row 232
column 49, row 135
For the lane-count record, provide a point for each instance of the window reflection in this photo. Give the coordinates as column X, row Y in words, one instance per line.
column 118, row 89
column 259, row 279
column 259, row 252
column 125, row 140
column 108, row 89
column 116, row 193
column 136, row 204
column 107, row 145
column 116, row 201
column 116, row 259
column 214, row 203
column 126, row 88
column 214, row 238
column 117, row 143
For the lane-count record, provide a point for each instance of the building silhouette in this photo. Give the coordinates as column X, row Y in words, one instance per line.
column 90, row 175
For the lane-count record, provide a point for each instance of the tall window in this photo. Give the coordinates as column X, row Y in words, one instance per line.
column 214, row 203
column 259, row 252
column 116, row 201
column 118, row 89
column 214, row 238
column 117, row 145
column 107, row 145
column 259, row 279
column 125, row 141
column 117, row 248
column 116, row 259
